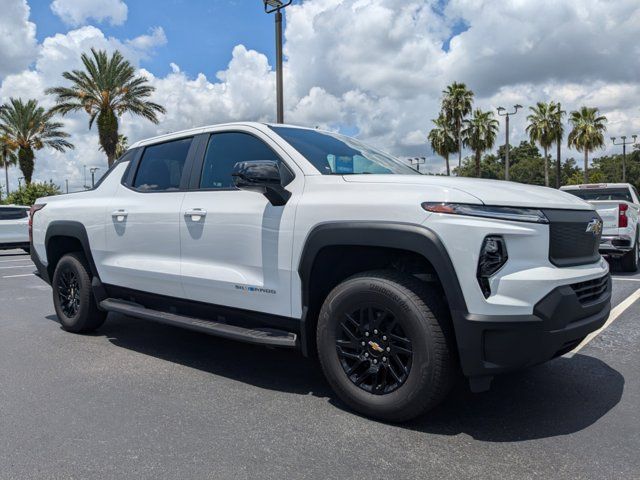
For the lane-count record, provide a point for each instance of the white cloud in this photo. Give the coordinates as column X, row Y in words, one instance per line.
column 18, row 46
column 378, row 68
column 78, row 12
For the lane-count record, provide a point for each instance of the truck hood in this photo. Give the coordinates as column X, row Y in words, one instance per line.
column 489, row 192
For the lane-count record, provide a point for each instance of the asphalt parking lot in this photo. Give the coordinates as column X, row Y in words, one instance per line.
column 142, row 400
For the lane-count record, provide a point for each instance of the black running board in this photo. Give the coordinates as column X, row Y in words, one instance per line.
column 261, row 336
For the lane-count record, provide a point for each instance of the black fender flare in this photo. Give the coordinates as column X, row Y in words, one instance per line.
column 70, row 229
column 395, row 235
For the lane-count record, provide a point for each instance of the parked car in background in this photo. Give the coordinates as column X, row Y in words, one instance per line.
column 14, row 227
column 618, row 205
column 294, row 237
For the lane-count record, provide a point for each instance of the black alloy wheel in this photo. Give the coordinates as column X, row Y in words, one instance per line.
column 374, row 350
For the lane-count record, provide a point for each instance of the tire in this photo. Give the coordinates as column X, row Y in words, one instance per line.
column 387, row 392
column 629, row 261
column 72, row 280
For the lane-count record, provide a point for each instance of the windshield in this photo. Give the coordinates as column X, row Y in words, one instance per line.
column 603, row 194
column 334, row 154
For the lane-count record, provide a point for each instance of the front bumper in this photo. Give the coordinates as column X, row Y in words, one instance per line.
column 490, row 345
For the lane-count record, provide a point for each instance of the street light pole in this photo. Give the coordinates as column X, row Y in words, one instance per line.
column 417, row 162
column 624, row 144
column 20, row 182
column 93, row 176
column 502, row 112
column 271, row 6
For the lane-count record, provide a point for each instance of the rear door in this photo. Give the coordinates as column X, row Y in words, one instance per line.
column 143, row 220
column 236, row 246
column 14, row 223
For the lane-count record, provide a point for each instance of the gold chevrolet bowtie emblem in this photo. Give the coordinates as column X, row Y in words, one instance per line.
column 376, row 347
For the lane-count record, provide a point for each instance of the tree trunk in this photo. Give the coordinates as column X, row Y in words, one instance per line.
column 459, row 127
column 478, row 155
column 546, row 167
column 558, row 164
column 446, row 160
column 5, row 162
column 108, row 133
column 586, row 166
column 26, row 161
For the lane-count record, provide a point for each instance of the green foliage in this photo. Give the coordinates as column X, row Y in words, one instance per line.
column 545, row 128
column 105, row 89
column 457, row 103
column 442, row 138
column 27, row 127
column 28, row 194
column 479, row 134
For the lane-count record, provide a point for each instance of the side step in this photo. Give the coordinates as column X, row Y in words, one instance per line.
column 261, row 336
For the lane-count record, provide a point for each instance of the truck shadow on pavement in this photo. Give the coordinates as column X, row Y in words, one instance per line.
column 560, row 397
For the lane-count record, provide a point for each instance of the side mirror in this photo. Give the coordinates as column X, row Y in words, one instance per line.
column 262, row 176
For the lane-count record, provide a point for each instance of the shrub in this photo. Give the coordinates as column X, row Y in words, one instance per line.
column 28, row 194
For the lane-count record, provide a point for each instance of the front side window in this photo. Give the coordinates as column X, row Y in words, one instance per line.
column 161, row 166
column 227, row 149
column 334, row 154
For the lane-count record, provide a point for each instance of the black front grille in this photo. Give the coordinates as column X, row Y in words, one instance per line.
column 570, row 243
column 591, row 290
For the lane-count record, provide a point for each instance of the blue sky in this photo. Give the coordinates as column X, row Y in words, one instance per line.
column 200, row 33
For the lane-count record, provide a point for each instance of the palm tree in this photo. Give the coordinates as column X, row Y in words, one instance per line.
column 106, row 89
column 442, row 139
column 558, row 134
column 457, row 103
column 7, row 158
column 542, row 129
column 28, row 127
column 121, row 147
column 587, row 133
column 479, row 134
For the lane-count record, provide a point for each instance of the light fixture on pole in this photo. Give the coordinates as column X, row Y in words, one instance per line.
column 624, row 144
column 93, row 175
column 502, row 112
column 276, row 6
column 417, row 161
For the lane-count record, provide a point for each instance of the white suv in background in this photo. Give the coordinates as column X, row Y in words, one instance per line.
column 300, row 238
column 14, row 227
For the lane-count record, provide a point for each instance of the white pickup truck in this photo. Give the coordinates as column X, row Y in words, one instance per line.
column 14, row 227
column 618, row 205
column 292, row 237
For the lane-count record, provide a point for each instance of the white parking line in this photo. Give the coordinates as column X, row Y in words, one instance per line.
column 23, row 275
column 615, row 313
column 626, row 279
column 15, row 260
column 17, row 266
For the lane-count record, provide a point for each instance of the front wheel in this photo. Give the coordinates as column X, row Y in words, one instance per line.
column 384, row 345
column 72, row 296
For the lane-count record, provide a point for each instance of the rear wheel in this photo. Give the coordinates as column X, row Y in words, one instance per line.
column 383, row 343
column 629, row 261
column 73, row 299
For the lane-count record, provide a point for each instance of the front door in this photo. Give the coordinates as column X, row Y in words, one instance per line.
column 236, row 246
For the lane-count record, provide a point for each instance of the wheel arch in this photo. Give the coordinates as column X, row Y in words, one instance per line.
column 412, row 239
column 65, row 236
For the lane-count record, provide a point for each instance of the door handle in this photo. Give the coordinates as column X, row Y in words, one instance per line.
column 119, row 215
column 196, row 214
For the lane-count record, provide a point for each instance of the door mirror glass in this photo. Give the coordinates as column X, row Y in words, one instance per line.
column 261, row 176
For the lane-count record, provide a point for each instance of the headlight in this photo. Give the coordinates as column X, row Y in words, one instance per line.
column 517, row 214
column 493, row 255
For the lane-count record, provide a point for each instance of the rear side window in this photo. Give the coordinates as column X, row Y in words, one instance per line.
column 595, row 194
column 227, row 149
column 11, row 213
column 161, row 166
